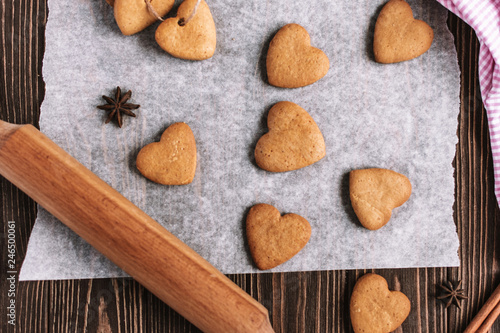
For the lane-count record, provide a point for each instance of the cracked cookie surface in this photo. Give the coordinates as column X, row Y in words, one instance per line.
column 375, row 193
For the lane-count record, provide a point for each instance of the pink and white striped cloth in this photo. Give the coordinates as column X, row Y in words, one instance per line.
column 484, row 17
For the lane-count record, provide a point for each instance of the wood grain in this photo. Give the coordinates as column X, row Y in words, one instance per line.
column 297, row 302
column 129, row 237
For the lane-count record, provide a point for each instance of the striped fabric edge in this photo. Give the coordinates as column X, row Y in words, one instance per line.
column 484, row 17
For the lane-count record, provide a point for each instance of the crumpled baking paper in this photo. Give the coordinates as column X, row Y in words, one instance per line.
column 400, row 116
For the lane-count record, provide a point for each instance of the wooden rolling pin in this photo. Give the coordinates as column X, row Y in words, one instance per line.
column 125, row 234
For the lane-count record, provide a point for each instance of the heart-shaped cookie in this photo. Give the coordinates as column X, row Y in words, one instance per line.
column 172, row 161
column 398, row 36
column 376, row 309
column 133, row 16
column 293, row 141
column 195, row 40
column 291, row 60
column 272, row 238
column 375, row 193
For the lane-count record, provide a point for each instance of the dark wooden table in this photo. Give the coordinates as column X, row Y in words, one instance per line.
column 297, row 302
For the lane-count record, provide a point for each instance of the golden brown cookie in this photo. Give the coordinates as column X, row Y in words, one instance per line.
column 398, row 36
column 133, row 16
column 293, row 141
column 272, row 238
column 376, row 309
column 172, row 161
column 195, row 40
column 291, row 60
column 375, row 193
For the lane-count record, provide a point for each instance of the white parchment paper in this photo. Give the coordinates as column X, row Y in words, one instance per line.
column 400, row 116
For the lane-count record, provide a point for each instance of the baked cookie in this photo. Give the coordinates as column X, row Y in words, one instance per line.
column 375, row 193
column 172, row 161
column 398, row 36
column 376, row 309
column 195, row 40
column 272, row 238
column 291, row 60
column 133, row 16
column 293, row 141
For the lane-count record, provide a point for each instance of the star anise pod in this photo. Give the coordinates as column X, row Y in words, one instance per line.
column 118, row 105
column 452, row 294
